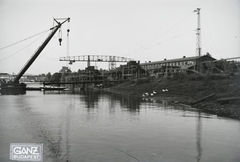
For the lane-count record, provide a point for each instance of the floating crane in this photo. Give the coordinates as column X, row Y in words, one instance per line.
column 96, row 58
column 15, row 87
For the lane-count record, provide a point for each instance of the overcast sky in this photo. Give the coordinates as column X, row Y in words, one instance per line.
column 145, row 30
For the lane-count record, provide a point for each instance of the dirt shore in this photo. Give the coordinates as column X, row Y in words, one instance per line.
column 202, row 92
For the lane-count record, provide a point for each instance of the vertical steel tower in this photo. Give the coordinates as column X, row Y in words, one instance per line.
column 198, row 42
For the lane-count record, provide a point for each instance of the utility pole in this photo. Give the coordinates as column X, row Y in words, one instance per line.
column 198, row 41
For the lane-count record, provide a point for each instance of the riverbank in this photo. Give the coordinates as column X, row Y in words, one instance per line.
column 202, row 92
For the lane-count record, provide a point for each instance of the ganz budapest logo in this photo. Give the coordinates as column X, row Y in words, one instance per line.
column 26, row 152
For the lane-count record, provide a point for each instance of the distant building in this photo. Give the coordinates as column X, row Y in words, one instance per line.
column 41, row 78
column 183, row 65
column 33, row 78
column 89, row 74
column 131, row 70
column 65, row 69
column 4, row 77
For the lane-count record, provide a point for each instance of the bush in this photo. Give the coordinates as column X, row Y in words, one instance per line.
column 132, row 81
column 142, row 81
column 179, row 76
column 196, row 77
column 207, row 77
column 207, row 81
column 218, row 76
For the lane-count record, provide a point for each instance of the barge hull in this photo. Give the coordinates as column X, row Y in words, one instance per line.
column 12, row 88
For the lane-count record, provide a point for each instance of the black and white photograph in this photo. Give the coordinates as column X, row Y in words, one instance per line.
column 120, row 80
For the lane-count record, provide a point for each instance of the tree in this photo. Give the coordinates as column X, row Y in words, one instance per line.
column 42, row 75
column 208, row 54
column 65, row 69
column 56, row 77
column 48, row 75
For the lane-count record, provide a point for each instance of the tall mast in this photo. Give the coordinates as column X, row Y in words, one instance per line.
column 198, row 41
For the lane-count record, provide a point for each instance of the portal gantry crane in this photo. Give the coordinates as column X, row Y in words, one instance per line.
column 97, row 58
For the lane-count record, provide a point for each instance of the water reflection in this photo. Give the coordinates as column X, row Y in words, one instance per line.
column 45, row 130
column 100, row 126
column 132, row 104
column 91, row 98
column 199, row 137
column 66, row 156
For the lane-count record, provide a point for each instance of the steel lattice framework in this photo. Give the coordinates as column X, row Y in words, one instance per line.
column 198, row 42
column 97, row 58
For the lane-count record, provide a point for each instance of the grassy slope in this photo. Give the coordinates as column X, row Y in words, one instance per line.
column 186, row 90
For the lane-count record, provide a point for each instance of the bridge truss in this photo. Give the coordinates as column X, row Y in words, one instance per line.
column 97, row 58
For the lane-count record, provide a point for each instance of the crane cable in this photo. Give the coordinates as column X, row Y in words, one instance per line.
column 23, row 40
column 22, row 48
column 68, row 30
column 167, row 40
column 40, row 57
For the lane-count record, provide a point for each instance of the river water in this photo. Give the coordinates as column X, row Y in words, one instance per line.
column 100, row 126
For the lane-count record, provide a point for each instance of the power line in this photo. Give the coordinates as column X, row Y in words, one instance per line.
column 162, row 34
column 211, row 37
column 148, row 47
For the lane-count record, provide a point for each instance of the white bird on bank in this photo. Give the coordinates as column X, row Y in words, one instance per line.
column 146, row 94
column 149, row 94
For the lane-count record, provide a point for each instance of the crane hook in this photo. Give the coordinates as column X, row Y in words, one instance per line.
column 68, row 32
column 60, row 41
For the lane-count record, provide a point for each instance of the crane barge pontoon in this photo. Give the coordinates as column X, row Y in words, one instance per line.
column 14, row 87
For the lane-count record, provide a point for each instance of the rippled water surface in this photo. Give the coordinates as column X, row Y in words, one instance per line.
column 105, row 127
